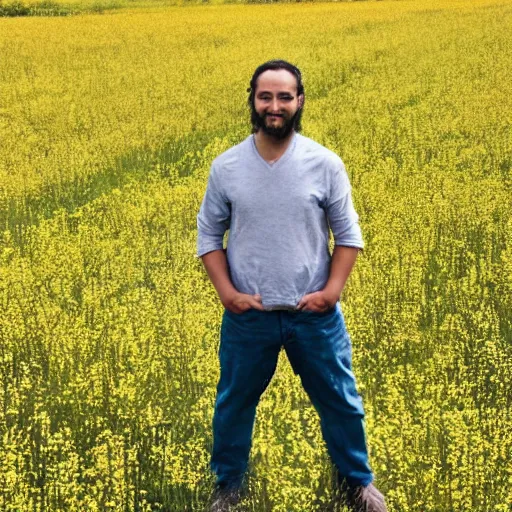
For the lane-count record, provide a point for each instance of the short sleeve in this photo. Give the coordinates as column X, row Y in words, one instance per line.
column 341, row 214
column 214, row 217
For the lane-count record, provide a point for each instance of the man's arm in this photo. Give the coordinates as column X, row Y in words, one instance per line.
column 342, row 262
column 343, row 222
column 216, row 265
column 213, row 220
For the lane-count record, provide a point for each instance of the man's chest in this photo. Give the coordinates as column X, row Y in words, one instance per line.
column 268, row 192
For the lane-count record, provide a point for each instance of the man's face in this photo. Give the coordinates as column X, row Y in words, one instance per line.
column 276, row 102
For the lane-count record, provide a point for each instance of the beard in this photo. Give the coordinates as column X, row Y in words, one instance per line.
column 278, row 132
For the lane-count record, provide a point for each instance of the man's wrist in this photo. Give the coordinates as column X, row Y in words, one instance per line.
column 227, row 296
column 331, row 296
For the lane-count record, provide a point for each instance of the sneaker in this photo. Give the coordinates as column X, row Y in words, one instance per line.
column 225, row 500
column 364, row 499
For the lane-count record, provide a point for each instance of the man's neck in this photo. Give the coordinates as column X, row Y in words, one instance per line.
column 270, row 148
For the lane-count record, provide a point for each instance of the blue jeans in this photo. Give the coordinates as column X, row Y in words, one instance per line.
column 319, row 349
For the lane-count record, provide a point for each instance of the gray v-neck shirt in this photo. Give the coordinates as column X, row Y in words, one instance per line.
column 278, row 216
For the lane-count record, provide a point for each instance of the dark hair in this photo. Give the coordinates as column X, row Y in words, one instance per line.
column 274, row 65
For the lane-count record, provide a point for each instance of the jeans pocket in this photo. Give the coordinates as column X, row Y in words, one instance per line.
column 245, row 313
column 322, row 314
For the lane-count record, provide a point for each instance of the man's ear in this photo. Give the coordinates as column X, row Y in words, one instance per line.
column 301, row 100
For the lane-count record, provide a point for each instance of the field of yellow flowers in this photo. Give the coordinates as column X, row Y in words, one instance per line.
column 109, row 327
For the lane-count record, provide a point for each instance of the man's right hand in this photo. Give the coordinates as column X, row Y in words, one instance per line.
column 240, row 302
column 216, row 265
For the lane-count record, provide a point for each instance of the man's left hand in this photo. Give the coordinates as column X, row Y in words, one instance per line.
column 319, row 302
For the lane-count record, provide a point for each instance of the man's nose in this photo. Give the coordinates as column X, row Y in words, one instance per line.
column 275, row 105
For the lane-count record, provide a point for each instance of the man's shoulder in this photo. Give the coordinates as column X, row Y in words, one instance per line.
column 230, row 158
column 310, row 148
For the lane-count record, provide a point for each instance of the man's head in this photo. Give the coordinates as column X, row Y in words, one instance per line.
column 276, row 98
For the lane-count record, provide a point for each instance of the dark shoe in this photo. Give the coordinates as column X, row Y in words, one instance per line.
column 363, row 499
column 224, row 500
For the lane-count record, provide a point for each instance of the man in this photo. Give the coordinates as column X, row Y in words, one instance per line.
column 278, row 193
